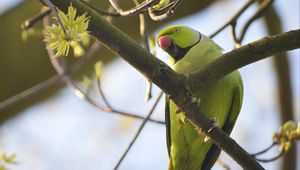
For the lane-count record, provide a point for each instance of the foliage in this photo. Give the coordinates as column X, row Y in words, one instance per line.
column 288, row 133
column 6, row 160
column 74, row 33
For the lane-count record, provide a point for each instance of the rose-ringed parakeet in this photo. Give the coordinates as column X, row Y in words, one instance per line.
column 189, row 51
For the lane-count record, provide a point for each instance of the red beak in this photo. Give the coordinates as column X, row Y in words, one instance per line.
column 164, row 42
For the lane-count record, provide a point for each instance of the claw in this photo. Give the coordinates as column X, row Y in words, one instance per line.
column 206, row 138
column 214, row 119
column 185, row 120
column 178, row 111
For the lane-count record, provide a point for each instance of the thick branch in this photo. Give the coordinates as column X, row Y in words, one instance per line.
column 243, row 56
column 163, row 76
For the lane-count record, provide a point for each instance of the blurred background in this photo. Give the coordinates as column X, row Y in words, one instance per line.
column 54, row 129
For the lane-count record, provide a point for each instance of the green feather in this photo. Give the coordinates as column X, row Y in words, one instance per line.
column 184, row 36
column 221, row 101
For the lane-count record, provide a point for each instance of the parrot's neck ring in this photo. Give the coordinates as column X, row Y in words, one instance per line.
column 178, row 53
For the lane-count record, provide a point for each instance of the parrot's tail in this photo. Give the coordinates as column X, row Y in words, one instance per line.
column 170, row 165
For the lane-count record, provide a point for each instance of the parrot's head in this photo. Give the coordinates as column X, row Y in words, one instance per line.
column 177, row 40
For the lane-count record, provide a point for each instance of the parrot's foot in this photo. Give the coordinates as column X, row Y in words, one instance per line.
column 185, row 120
column 214, row 120
column 214, row 125
column 206, row 139
column 202, row 133
column 196, row 100
column 178, row 111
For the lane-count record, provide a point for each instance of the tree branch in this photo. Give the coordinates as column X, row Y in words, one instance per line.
column 174, row 84
column 150, row 112
column 45, row 84
column 243, row 56
column 234, row 19
column 133, row 11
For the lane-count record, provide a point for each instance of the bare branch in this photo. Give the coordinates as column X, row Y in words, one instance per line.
column 144, row 32
column 165, row 8
column 99, row 87
column 233, row 20
column 280, row 154
column 53, row 9
column 58, row 64
column 264, row 150
column 287, row 135
column 136, row 10
column 263, row 7
column 222, row 164
column 45, row 84
column 32, row 21
column 139, row 130
column 243, row 56
column 17, row 98
column 147, row 5
column 109, row 19
column 108, row 13
column 169, row 12
column 81, row 94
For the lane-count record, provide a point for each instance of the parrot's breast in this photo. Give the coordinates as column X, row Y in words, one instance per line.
column 188, row 149
column 198, row 56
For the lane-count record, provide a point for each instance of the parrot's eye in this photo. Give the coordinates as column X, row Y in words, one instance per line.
column 176, row 30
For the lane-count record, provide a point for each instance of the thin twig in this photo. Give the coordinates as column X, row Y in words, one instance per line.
column 29, row 92
column 233, row 21
column 280, row 154
column 175, row 5
column 58, row 64
column 53, row 9
column 133, row 115
column 32, row 21
column 143, row 33
column 234, row 36
column 133, row 11
column 148, row 94
column 108, row 13
column 243, row 56
column 81, row 94
column 264, row 150
column 165, row 15
column 59, row 67
column 222, row 164
column 234, row 18
column 139, row 130
column 162, row 9
column 45, row 84
column 263, row 7
column 99, row 87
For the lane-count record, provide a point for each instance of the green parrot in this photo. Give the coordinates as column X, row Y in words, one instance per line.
column 189, row 51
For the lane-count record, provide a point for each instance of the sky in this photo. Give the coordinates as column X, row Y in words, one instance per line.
column 65, row 132
column 7, row 4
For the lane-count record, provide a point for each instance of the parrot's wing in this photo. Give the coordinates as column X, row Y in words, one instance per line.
column 214, row 152
column 235, row 108
column 168, row 122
